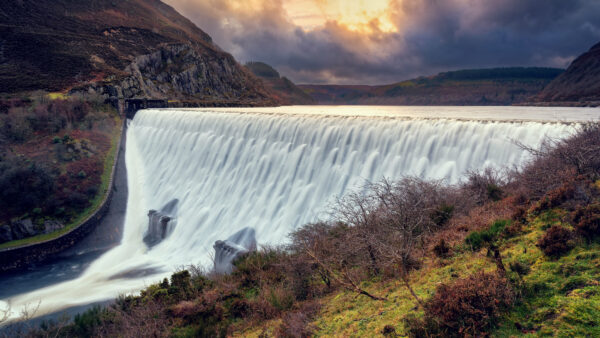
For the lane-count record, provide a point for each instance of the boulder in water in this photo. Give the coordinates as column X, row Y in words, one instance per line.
column 227, row 251
column 161, row 223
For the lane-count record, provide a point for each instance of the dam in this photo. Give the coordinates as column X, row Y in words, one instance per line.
column 275, row 169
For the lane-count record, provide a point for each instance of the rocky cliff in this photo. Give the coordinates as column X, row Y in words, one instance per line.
column 179, row 71
column 579, row 83
column 135, row 48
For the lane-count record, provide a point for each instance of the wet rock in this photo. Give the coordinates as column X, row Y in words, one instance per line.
column 5, row 233
column 23, row 229
column 51, row 226
column 240, row 243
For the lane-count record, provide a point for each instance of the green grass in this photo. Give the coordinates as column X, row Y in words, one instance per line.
column 561, row 297
column 95, row 203
column 57, row 95
column 558, row 297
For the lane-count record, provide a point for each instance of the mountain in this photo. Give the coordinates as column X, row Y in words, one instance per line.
column 128, row 49
column 285, row 90
column 496, row 86
column 579, row 83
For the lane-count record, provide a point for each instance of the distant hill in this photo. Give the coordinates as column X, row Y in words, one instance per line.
column 496, row 86
column 579, row 83
column 286, row 91
column 134, row 48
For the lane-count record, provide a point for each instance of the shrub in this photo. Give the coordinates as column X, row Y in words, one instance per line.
column 513, row 229
column 467, row 307
column 587, row 220
column 388, row 330
column 442, row 214
column 24, row 185
column 519, row 268
column 559, row 160
column 556, row 241
column 441, row 249
column 555, row 197
column 494, row 192
column 85, row 323
column 477, row 239
column 280, row 298
column 77, row 200
column 253, row 268
column 181, row 285
column 520, row 215
column 484, row 185
column 421, row 327
column 297, row 324
column 239, row 308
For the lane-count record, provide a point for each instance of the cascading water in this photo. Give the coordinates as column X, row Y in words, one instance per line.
column 272, row 171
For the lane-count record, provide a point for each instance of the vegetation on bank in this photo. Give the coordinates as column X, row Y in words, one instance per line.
column 502, row 254
column 55, row 164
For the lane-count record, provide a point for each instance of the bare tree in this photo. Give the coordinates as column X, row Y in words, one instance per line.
column 404, row 219
column 331, row 248
column 385, row 227
column 558, row 159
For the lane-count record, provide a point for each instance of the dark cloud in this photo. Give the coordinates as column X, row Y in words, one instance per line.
column 432, row 36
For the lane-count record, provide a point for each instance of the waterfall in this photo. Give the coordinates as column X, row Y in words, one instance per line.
column 273, row 171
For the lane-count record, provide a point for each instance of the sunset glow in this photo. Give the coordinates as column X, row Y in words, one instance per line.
column 386, row 41
column 359, row 15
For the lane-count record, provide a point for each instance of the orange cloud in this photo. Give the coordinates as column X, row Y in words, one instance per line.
column 359, row 15
column 382, row 41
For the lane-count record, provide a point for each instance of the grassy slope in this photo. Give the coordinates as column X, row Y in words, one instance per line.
column 95, row 203
column 562, row 296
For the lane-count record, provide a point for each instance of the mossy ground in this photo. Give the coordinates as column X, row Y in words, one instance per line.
column 559, row 297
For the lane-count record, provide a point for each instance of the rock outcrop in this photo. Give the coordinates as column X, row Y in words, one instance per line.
column 122, row 49
column 24, row 228
column 240, row 243
column 180, row 72
column 579, row 83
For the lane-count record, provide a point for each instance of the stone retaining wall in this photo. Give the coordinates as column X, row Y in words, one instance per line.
column 19, row 257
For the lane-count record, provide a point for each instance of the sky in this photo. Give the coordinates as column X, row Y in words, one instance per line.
column 386, row 41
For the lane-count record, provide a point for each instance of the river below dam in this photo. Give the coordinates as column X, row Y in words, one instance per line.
column 219, row 170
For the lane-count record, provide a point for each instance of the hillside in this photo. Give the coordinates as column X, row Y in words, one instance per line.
column 136, row 48
column 497, row 86
column 579, row 83
column 56, row 157
column 286, row 92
